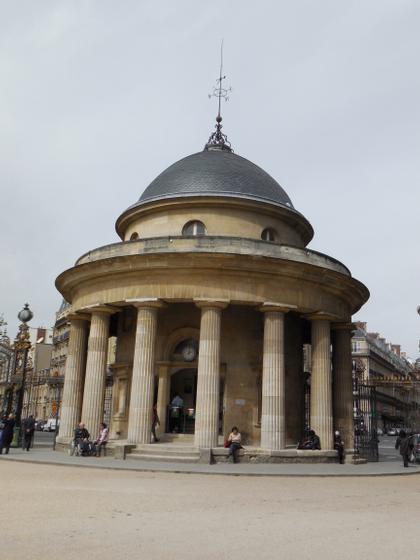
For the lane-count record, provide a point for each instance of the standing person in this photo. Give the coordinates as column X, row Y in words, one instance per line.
column 339, row 446
column 155, row 422
column 28, row 432
column 102, row 439
column 2, row 425
column 177, row 404
column 7, row 434
column 403, row 444
column 234, row 442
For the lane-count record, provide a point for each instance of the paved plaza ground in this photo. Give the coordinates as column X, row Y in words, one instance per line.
column 60, row 511
column 66, row 512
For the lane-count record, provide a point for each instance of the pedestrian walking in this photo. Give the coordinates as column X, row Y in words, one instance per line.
column 404, row 444
column 155, row 422
column 7, row 434
column 28, row 428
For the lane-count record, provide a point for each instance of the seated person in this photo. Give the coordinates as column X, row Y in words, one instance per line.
column 81, row 438
column 312, row 441
column 234, row 443
column 101, row 440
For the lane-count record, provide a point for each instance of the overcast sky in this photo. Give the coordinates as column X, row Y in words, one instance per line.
column 98, row 97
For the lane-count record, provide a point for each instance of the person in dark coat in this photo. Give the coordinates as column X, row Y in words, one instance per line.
column 81, row 438
column 404, row 444
column 28, row 431
column 339, row 446
column 7, row 434
column 155, row 422
column 310, row 441
column 314, row 439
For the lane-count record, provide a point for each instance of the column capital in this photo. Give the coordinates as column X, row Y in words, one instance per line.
column 344, row 326
column 100, row 308
column 270, row 306
column 155, row 303
column 76, row 316
column 210, row 302
column 321, row 316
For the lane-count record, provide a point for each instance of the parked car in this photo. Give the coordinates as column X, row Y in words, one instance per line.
column 39, row 425
column 392, row 432
column 50, row 425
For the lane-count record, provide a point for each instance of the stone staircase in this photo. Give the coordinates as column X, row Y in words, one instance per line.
column 165, row 452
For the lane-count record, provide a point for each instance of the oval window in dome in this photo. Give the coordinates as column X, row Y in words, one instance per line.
column 269, row 234
column 134, row 236
column 195, row 227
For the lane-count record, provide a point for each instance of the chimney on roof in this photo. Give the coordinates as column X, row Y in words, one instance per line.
column 374, row 335
column 396, row 348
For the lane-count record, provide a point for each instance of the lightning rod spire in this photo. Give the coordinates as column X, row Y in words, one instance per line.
column 217, row 139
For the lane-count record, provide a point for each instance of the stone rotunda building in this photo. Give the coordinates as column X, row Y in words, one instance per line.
column 211, row 294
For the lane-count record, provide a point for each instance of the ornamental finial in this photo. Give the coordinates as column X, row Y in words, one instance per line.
column 217, row 139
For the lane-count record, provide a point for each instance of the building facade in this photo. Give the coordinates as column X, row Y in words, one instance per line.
column 211, row 294
column 384, row 366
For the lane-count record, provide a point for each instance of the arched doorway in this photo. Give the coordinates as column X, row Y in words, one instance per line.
column 183, row 394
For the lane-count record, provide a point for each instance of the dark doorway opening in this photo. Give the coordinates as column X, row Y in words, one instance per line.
column 181, row 413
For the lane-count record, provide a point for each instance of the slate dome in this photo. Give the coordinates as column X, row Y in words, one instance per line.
column 216, row 172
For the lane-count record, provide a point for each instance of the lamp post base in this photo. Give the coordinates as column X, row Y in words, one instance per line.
column 17, row 437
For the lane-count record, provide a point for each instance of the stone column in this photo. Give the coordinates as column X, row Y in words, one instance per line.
column 142, row 382
column 321, row 386
column 71, row 404
column 342, row 382
column 208, row 376
column 273, row 379
column 94, row 393
column 294, row 379
column 163, row 396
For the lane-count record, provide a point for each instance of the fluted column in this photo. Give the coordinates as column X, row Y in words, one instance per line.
column 142, row 383
column 294, row 379
column 163, row 395
column 321, row 386
column 208, row 376
column 71, row 403
column 343, row 384
column 273, row 380
column 94, row 392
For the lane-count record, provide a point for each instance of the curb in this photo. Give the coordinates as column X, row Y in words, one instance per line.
column 191, row 471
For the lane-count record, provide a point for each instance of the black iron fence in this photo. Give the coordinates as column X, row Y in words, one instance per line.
column 365, row 421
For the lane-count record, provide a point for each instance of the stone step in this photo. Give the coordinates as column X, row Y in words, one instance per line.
column 170, row 450
column 164, row 458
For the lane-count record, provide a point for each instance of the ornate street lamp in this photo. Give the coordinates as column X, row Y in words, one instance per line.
column 22, row 346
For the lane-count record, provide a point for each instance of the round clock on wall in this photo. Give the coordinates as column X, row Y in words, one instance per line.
column 189, row 352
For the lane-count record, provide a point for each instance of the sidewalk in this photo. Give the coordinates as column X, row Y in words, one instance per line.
column 389, row 465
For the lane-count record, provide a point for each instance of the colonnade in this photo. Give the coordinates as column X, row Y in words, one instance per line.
column 84, row 384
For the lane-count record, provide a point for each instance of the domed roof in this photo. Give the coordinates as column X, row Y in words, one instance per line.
column 216, row 172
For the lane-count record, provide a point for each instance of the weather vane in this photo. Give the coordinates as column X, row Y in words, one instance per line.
column 217, row 138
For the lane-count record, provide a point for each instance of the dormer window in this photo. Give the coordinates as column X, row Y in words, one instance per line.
column 269, row 234
column 194, row 227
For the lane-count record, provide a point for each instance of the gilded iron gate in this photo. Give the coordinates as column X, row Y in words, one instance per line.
column 365, row 420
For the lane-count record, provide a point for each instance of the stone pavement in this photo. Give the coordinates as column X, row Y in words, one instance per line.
column 390, row 464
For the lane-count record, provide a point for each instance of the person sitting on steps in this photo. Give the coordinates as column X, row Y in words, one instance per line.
column 234, row 442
